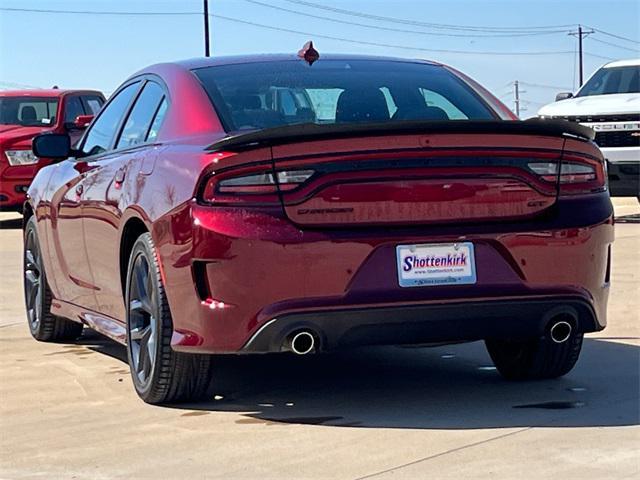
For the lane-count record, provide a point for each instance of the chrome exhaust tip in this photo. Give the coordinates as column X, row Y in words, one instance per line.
column 302, row 342
column 560, row 331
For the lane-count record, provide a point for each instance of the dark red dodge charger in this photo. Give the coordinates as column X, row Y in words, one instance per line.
column 277, row 203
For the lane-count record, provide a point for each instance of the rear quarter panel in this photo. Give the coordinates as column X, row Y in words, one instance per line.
column 163, row 201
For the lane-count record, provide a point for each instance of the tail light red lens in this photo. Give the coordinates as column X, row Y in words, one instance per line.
column 577, row 174
column 252, row 186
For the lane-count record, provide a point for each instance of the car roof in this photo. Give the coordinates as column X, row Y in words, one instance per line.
column 634, row 62
column 202, row 62
column 44, row 92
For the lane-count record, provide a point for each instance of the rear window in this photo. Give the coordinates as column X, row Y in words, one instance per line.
column 28, row 111
column 270, row 94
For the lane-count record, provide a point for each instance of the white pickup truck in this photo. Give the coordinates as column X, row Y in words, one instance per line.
column 609, row 102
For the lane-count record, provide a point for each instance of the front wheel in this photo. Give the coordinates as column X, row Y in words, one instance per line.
column 159, row 374
column 43, row 325
column 537, row 358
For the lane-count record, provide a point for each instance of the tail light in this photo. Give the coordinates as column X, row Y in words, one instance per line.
column 577, row 174
column 252, row 186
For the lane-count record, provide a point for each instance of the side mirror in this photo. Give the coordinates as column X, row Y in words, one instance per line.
column 52, row 145
column 563, row 96
column 80, row 123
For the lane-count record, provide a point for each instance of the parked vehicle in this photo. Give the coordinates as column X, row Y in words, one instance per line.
column 27, row 113
column 609, row 102
column 409, row 206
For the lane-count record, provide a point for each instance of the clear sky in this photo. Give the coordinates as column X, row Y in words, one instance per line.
column 75, row 50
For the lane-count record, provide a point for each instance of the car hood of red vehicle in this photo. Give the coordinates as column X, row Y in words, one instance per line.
column 10, row 134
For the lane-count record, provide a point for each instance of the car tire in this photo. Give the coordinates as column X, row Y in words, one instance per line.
column 160, row 375
column 540, row 358
column 43, row 325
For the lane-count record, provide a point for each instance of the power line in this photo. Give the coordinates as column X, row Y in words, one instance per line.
column 443, row 26
column 17, row 85
column 635, row 50
column 130, row 13
column 91, row 12
column 619, row 37
column 318, row 35
column 539, row 85
column 387, row 45
column 599, row 56
column 401, row 30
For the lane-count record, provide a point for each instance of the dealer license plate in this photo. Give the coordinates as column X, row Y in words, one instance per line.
column 436, row 264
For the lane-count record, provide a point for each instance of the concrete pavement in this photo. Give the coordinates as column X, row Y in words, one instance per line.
column 70, row 411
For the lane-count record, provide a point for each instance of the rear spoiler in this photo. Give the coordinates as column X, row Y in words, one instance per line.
column 313, row 131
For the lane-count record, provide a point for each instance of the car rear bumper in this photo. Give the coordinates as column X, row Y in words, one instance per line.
column 245, row 279
column 623, row 166
column 420, row 324
column 621, row 155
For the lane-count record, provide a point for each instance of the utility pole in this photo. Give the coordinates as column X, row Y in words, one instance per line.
column 580, row 33
column 516, row 92
column 207, row 51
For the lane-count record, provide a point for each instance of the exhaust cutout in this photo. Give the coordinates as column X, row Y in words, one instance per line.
column 301, row 343
column 560, row 331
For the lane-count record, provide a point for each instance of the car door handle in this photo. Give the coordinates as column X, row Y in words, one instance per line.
column 79, row 190
column 120, row 174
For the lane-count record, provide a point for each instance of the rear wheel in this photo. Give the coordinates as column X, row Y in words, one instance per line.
column 536, row 358
column 43, row 325
column 159, row 374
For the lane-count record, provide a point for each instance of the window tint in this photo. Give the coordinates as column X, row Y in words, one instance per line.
column 142, row 114
column 157, row 121
column 103, row 130
column 73, row 108
column 325, row 103
column 28, row 111
column 339, row 91
column 92, row 104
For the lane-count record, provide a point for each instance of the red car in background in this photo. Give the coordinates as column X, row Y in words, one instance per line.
column 375, row 201
column 27, row 113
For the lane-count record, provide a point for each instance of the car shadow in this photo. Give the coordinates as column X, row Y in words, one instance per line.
column 632, row 218
column 448, row 387
column 101, row 344
column 11, row 223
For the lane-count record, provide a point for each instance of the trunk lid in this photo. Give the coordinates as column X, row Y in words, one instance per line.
column 418, row 178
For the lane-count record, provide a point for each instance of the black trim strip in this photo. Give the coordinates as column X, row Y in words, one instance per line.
column 402, row 323
column 311, row 131
column 425, row 150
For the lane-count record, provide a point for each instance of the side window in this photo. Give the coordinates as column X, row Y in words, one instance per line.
column 92, row 104
column 103, row 130
column 287, row 103
column 73, row 108
column 157, row 121
column 141, row 116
